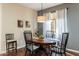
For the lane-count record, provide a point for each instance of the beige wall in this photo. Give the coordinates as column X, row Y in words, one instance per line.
column 0, row 24
column 10, row 14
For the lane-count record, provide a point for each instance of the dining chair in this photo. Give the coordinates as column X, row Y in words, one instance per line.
column 11, row 43
column 61, row 48
column 28, row 41
column 50, row 34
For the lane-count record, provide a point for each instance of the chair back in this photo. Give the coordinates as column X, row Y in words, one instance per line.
column 64, row 40
column 9, row 37
column 28, row 36
column 49, row 34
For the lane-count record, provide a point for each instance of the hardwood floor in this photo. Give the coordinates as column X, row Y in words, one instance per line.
column 21, row 52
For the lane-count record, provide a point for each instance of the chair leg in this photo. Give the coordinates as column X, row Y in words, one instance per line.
column 65, row 54
column 51, row 53
column 16, row 46
column 31, row 53
column 55, row 54
column 8, row 48
column 61, row 54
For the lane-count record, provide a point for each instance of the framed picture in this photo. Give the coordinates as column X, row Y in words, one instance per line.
column 20, row 23
column 27, row 24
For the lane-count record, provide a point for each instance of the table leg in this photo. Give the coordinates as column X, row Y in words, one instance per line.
column 43, row 49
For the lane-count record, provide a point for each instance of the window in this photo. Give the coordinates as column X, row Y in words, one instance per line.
column 52, row 17
column 50, row 23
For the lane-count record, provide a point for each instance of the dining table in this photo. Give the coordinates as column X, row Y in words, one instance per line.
column 44, row 43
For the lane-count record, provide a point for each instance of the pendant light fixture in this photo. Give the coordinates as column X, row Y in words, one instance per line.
column 41, row 18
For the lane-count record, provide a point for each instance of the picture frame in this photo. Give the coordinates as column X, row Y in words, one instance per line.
column 27, row 24
column 20, row 23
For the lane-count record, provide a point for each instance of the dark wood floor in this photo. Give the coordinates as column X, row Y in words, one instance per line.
column 21, row 52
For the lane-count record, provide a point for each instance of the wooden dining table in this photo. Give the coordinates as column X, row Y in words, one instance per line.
column 44, row 44
column 43, row 41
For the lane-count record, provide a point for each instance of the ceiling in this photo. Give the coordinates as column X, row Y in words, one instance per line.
column 37, row 6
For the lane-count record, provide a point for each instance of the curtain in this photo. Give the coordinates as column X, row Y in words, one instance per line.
column 46, row 24
column 61, row 22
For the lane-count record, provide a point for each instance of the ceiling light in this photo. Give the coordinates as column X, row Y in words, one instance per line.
column 41, row 18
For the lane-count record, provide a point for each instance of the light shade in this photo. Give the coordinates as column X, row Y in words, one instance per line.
column 41, row 18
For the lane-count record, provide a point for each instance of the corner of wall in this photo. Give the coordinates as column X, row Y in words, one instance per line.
column 0, row 24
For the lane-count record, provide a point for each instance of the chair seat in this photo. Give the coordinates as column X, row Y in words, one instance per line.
column 11, row 40
column 29, row 47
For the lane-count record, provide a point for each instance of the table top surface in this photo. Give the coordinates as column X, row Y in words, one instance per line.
column 44, row 41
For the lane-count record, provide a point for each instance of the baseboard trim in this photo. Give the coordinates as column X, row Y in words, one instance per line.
column 74, row 52
column 2, row 52
column 69, row 54
column 21, row 47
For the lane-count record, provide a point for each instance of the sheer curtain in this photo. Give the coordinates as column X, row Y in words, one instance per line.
column 61, row 22
column 46, row 24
